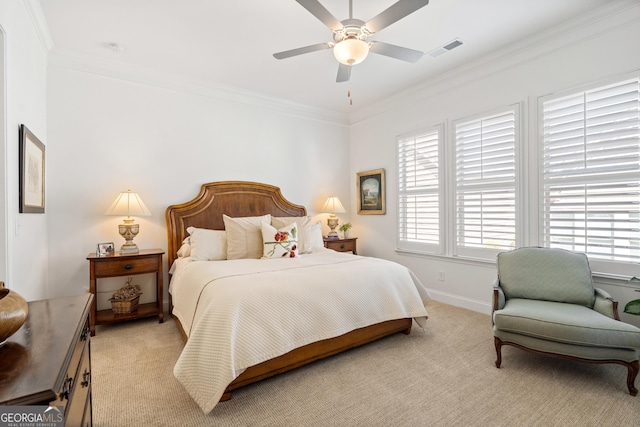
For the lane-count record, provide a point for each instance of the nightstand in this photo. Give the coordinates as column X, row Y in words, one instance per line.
column 341, row 245
column 100, row 267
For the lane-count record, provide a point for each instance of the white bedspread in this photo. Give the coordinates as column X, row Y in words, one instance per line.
column 242, row 312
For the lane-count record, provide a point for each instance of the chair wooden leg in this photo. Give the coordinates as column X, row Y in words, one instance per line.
column 633, row 368
column 498, row 345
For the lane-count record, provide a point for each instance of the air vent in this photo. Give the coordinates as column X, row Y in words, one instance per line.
column 446, row 48
column 454, row 44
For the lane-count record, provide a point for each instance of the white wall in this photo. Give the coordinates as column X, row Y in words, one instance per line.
column 108, row 135
column 27, row 246
column 582, row 52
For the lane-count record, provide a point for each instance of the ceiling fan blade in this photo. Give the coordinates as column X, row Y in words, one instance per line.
column 397, row 52
column 320, row 12
column 344, row 73
column 394, row 13
column 301, row 50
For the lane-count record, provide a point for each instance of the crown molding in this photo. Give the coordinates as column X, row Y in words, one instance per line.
column 39, row 24
column 144, row 76
column 121, row 71
column 606, row 18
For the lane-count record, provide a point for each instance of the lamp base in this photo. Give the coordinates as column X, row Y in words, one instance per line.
column 129, row 249
column 129, row 230
column 332, row 222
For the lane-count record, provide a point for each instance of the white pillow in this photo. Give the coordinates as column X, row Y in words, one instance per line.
column 244, row 236
column 280, row 243
column 184, row 251
column 309, row 234
column 207, row 245
column 313, row 237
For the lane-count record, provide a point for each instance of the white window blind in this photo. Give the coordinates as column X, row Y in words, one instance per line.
column 419, row 191
column 591, row 172
column 486, row 184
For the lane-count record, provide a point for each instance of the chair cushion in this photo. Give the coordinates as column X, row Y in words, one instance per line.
column 546, row 274
column 581, row 351
column 566, row 323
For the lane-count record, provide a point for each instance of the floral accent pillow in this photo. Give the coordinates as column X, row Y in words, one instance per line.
column 309, row 234
column 280, row 243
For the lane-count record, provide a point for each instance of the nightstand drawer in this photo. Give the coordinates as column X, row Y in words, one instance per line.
column 123, row 267
column 341, row 245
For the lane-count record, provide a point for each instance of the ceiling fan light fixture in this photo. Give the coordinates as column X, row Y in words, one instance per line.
column 351, row 51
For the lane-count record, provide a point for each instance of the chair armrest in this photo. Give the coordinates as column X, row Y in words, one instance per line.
column 605, row 304
column 498, row 296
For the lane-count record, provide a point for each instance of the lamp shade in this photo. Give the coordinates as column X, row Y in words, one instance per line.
column 351, row 51
column 128, row 203
column 333, row 206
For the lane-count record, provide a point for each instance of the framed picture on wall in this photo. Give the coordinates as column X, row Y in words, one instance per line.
column 371, row 192
column 32, row 161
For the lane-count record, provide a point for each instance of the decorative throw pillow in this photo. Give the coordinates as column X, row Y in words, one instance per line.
column 309, row 234
column 244, row 236
column 207, row 245
column 280, row 243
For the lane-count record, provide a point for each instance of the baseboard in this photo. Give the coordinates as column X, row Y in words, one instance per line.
column 458, row 301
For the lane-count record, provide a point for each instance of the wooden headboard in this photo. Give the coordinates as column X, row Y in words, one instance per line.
column 233, row 198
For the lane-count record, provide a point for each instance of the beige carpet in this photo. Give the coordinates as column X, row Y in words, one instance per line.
column 442, row 376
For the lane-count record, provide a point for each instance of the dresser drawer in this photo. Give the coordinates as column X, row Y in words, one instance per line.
column 87, row 419
column 77, row 405
column 71, row 377
column 125, row 267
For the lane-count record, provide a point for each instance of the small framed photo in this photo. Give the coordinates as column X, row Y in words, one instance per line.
column 105, row 249
column 31, row 168
column 371, row 192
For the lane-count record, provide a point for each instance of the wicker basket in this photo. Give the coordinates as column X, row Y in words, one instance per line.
column 124, row 306
column 125, row 300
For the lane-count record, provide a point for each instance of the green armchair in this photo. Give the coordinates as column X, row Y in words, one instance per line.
column 544, row 301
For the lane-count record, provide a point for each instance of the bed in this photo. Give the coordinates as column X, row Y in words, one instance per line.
column 215, row 360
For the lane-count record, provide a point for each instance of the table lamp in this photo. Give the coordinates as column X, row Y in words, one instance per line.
column 128, row 203
column 333, row 206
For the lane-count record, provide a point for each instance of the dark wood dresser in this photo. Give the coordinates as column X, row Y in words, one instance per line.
column 48, row 361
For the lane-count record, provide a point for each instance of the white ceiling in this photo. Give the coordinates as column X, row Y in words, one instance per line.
column 231, row 43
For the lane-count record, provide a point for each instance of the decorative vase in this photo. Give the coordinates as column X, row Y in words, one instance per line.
column 13, row 312
column 346, row 234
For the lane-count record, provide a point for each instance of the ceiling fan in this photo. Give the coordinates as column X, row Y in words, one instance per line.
column 350, row 45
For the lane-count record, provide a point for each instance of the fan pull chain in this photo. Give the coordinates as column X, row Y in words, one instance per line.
column 349, row 96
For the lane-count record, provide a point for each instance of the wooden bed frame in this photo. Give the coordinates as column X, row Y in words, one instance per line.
column 240, row 199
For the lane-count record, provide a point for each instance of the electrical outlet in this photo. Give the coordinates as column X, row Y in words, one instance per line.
column 441, row 275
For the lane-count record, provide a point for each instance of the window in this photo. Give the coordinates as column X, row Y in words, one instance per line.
column 579, row 185
column 591, row 172
column 419, row 191
column 485, row 179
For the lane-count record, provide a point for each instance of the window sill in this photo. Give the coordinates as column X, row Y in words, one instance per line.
column 457, row 259
column 600, row 277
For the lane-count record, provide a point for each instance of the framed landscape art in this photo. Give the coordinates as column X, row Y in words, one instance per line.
column 31, row 169
column 371, row 192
